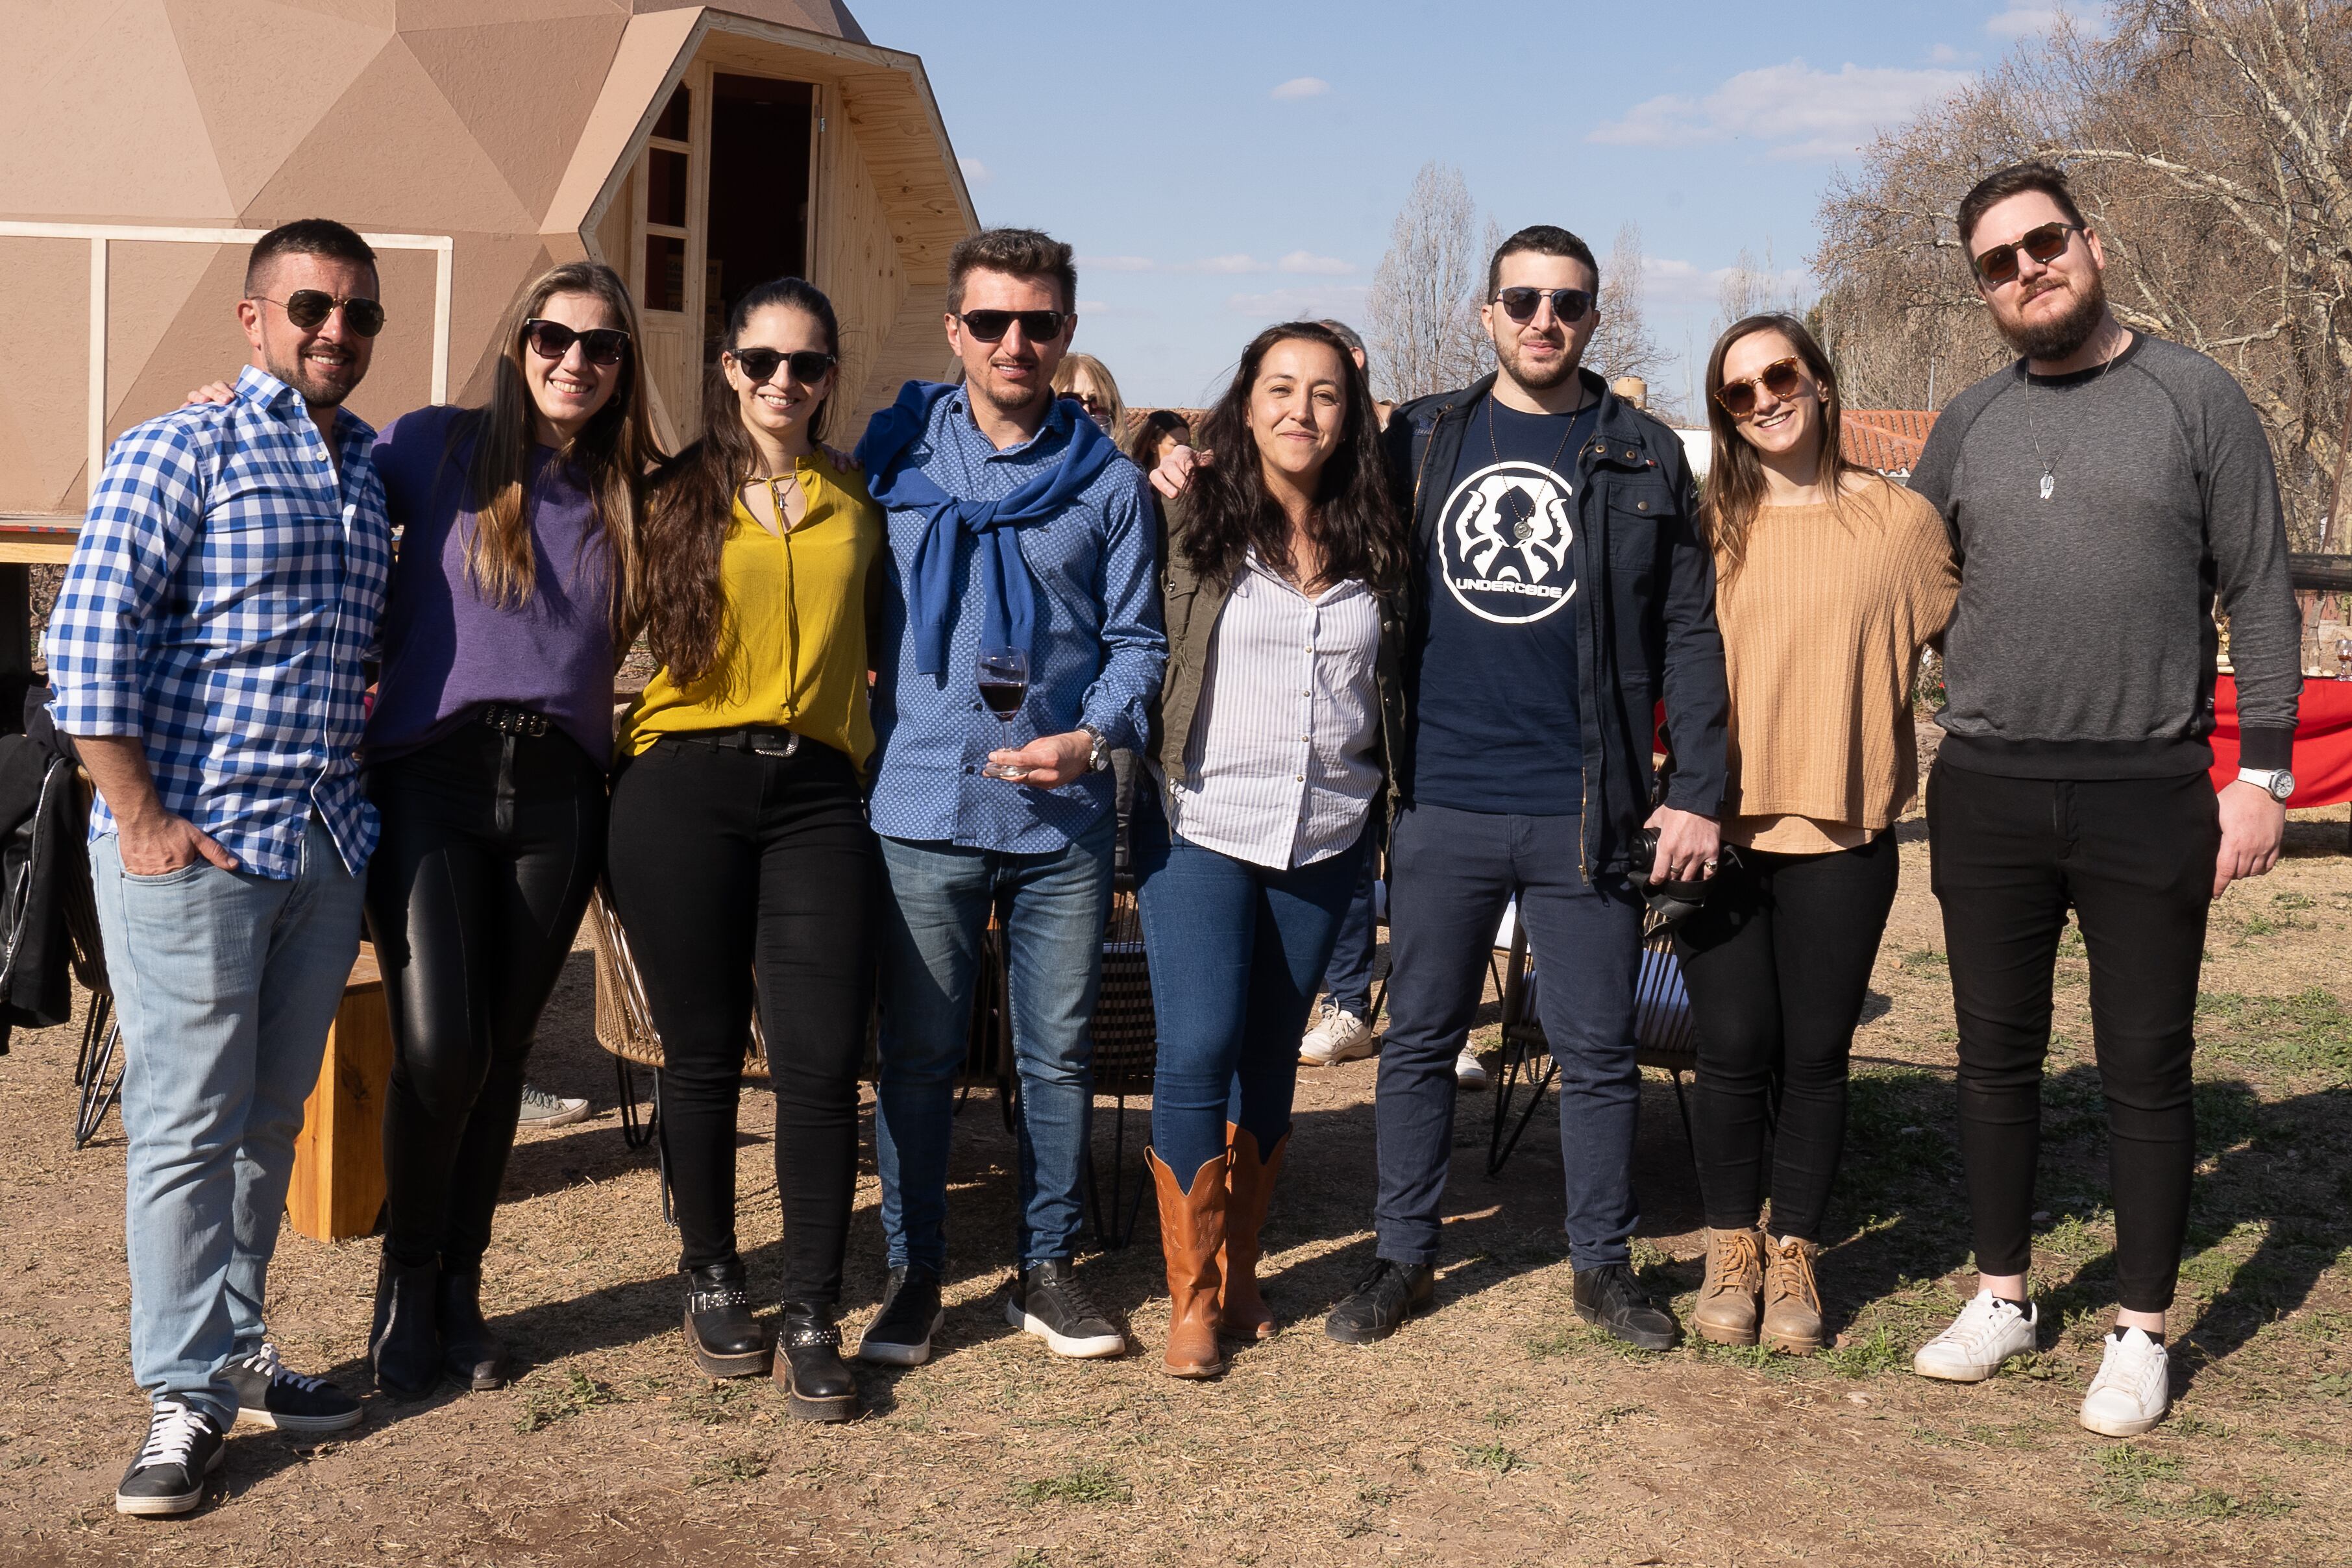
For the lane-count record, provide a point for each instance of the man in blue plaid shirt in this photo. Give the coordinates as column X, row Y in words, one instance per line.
column 207, row 650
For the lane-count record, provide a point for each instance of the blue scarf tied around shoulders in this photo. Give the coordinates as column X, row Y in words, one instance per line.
column 1012, row 612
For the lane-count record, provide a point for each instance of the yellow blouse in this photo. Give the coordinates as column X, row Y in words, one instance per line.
column 792, row 649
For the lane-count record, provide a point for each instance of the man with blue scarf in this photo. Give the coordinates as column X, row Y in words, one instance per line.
column 1014, row 523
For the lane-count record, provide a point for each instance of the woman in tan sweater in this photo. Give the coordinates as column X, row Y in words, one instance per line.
column 1830, row 580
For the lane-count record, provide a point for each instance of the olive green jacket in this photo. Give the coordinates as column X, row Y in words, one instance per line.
column 1191, row 605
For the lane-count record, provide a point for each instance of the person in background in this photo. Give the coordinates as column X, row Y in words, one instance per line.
column 2101, row 493
column 1829, row 581
column 209, row 653
column 1087, row 381
column 1157, row 433
column 742, row 865
column 513, row 598
column 1278, row 572
column 1018, row 533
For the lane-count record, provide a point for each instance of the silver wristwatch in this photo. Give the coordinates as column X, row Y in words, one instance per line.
column 1098, row 756
column 2278, row 782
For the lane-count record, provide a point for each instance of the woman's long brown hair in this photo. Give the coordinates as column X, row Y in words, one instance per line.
column 1735, row 476
column 691, row 504
column 609, row 457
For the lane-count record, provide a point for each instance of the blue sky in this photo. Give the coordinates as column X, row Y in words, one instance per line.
column 1221, row 164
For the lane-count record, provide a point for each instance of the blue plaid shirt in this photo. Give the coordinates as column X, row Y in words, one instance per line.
column 225, row 589
column 1097, row 660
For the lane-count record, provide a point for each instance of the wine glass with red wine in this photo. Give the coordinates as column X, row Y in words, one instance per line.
column 1004, row 686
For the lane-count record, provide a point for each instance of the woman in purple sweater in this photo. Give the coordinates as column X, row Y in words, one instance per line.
column 511, row 604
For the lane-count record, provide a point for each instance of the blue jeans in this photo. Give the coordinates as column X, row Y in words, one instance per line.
column 1235, row 949
column 1348, row 974
column 226, row 982
column 1454, row 872
column 1055, row 906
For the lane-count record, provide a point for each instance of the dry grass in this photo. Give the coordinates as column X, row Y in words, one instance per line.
column 1499, row 1430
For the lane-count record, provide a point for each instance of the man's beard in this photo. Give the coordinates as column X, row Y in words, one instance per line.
column 1534, row 381
column 317, row 388
column 2058, row 337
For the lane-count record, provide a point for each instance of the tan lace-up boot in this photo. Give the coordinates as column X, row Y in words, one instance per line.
column 1727, row 1302
column 1793, row 1302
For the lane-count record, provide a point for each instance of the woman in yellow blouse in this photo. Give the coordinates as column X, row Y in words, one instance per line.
column 738, row 843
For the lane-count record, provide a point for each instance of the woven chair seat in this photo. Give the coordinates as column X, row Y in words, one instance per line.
column 1126, row 1028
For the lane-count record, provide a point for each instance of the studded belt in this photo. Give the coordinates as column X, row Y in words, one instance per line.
column 509, row 720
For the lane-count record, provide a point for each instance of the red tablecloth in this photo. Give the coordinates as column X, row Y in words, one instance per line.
column 2322, row 741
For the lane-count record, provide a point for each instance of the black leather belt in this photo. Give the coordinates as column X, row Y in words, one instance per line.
column 509, row 720
column 758, row 740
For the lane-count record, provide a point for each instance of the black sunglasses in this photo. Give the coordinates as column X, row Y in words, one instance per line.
column 1037, row 326
column 807, row 366
column 553, row 340
column 2045, row 245
column 1567, row 304
column 308, row 309
column 1783, row 378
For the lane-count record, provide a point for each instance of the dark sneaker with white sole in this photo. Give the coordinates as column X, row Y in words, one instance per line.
column 1382, row 1301
column 167, row 1476
column 900, row 1333
column 1612, row 1300
column 1048, row 1301
column 271, row 1394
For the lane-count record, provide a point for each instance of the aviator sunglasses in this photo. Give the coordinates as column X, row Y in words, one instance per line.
column 2045, row 245
column 308, row 309
column 1567, row 304
column 807, row 366
column 553, row 340
column 1037, row 326
column 1783, row 378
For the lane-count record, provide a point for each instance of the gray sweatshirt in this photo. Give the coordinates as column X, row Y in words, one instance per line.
column 2084, row 643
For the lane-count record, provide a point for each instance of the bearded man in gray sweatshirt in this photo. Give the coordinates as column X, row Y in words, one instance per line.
column 2101, row 493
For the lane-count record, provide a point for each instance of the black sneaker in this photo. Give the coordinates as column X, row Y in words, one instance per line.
column 1611, row 1298
column 271, row 1394
column 900, row 1333
column 1382, row 1301
column 1048, row 1301
column 167, row 1475
column 817, row 1385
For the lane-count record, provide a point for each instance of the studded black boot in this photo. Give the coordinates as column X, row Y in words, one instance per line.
column 818, row 1385
column 720, row 1331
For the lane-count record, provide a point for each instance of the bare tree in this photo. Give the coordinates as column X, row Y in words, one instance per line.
column 1753, row 286
column 1422, row 312
column 1622, row 343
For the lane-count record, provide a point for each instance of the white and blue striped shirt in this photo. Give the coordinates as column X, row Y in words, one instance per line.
column 1279, row 769
column 224, row 593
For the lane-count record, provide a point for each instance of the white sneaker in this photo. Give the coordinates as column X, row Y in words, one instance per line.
column 1338, row 1036
column 2133, row 1388
column 1468, row 1071
column 540, row 1109
column 1988, row 1331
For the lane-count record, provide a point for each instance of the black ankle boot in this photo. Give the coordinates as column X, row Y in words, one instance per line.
column 404, row 1345
column 469, row 1352
column 720, row 1331
column 817, row 1385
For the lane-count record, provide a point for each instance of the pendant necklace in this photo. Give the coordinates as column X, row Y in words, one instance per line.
column 2050, row 465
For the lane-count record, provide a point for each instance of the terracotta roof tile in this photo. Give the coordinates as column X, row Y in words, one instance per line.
column 1887, row 440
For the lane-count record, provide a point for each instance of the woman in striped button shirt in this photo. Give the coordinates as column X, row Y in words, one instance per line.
column 1267, row 747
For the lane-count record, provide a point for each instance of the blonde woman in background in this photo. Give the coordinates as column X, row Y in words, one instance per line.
column 1087, row 381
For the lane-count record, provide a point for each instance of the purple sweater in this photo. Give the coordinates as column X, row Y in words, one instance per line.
column 446, row 651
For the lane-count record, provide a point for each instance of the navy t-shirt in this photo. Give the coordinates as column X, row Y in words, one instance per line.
column 1496, row 721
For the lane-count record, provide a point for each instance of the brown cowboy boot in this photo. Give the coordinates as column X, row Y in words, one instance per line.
column 1793, row 1302
column 1241, row 1310
column 1726, row 1310
column 1191, row 1231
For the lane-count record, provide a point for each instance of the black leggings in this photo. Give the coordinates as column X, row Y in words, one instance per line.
column 2135, row 858
column 728, row 864
column 1778, row 964
column 492, row 844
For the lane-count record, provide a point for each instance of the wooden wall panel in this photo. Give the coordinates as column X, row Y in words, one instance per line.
column 857, row 265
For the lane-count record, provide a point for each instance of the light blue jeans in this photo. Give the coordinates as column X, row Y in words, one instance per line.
column 225, row 983
column 1055, row 905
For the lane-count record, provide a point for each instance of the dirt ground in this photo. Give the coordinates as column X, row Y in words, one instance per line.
column 1499, row 1430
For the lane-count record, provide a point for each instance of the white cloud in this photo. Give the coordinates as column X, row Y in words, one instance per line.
column 2022, row 20
column 1300, row 87
column 1668, row 282
column 1307, row 262
column 1116, row 263
column 1308, row 303
column 1944, row 55
column 975, row 172
column 1222, row 265
column 1799, row 112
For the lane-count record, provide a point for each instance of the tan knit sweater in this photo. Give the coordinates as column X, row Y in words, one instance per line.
column 1822, row 625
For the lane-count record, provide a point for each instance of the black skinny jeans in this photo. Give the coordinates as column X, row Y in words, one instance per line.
column 1778, row 964
column 2135, row 858
column 491, row 845
column 725, row 864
